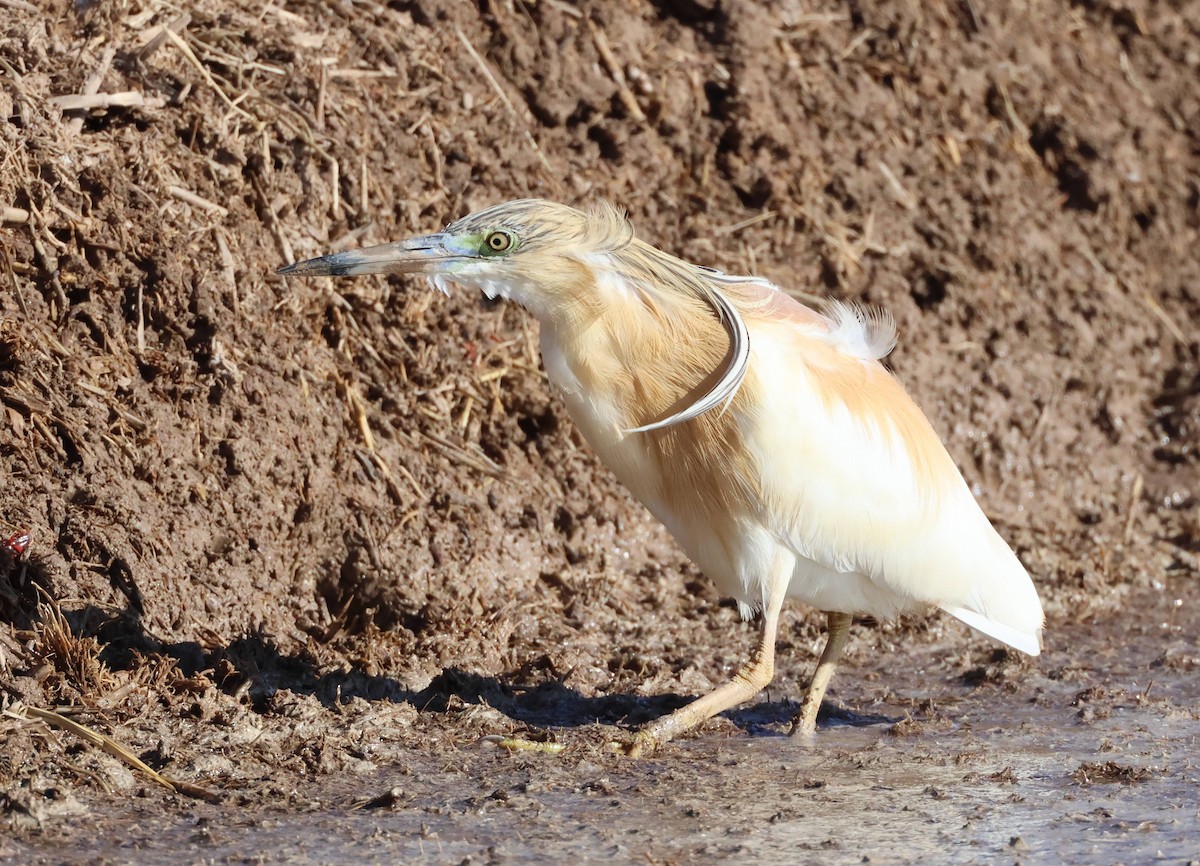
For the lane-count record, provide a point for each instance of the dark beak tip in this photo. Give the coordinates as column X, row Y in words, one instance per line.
column 308, row 268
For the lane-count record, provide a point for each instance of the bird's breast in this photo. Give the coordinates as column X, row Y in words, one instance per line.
column 682, row 474
column 594, row 402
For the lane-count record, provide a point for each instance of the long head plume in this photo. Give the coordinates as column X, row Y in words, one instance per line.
column 534, row 251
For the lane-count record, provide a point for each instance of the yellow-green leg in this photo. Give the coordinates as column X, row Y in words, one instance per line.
column 805, row 721
column 749, row 681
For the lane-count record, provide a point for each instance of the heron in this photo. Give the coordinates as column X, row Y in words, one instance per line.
column 767, row 436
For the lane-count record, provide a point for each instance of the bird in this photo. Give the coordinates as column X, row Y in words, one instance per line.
column 767, row 436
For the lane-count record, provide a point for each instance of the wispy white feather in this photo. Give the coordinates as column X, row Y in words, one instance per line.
column 867, row 333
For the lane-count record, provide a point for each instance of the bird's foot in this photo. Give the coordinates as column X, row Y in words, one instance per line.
column 803, row 730
column 642, row 744
column 804, row 723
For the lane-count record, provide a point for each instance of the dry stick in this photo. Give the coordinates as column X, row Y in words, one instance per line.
column 335, row 183
column 49, row 265
column 1157, row 309
column 75, row 124
column 1135, row 496
column 119, row 99
column 476, row 461
column 358, row 409
column 857, row 41
column 319, row 112
column 902, row 195
column 228, row 269
column 285, row 247
column 565, row 8
column 191, row 57
column 519, row 744
column 359, row 74
column 742, row 224
column 14, row 215
column 113, row 748
column 388, row 478
column 952, row 149
column 435, row 157
column 487, row 73
column 408, row 476
column 614, row 69
column 193, row 199
column 158, row 35
column 363, row 192
column 418, row 123
column 16, row 285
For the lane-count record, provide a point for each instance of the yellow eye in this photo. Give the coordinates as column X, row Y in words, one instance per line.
column 498, row 241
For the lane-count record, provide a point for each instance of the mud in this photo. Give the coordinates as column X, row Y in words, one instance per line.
column 1090, row 758
column 307, row 544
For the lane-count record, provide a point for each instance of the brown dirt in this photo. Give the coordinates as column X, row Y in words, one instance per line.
column 286, row 531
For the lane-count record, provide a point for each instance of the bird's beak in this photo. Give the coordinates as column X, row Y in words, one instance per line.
column 421, row 255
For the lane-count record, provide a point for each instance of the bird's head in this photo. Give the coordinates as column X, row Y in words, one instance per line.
column 537, row 253
column 566, row 267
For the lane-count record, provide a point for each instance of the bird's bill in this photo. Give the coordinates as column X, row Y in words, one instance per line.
column 414, row 256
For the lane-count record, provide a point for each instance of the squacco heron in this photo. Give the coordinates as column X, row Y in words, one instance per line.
column 766, row 436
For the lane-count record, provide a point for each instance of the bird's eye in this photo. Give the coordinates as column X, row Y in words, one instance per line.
column 498, row 241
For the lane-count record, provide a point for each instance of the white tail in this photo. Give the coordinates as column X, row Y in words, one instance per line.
column 1002, row 602
column 1024, row 641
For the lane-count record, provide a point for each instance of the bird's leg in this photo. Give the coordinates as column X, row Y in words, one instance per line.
column 805, row 721
column 751, row 679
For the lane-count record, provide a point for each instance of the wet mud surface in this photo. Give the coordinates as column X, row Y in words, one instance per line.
column 311, row 545
column 1090, row 758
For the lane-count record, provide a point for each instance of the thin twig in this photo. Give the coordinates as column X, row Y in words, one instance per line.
column 742, row 224
column 158, row 35
column 193, row 199
column 520, row 744
column 491, row 78
column 1157, row 309
column 268, row 212
column 335, row 184
column 408, row 476
column 363, row 178
column 618, row 76
column 388, row 478
column 90, row 101
column 191, row 57
column 91, row 86
column 904, row 196
column 358, row 411
column 1135, row 496
column 435, row 156
column 227, row 267
column 112, row 747
column 454, row 452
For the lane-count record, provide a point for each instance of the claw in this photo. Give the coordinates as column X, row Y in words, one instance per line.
column 644, row 745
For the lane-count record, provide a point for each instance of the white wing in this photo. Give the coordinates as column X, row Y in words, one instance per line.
column 857, row 483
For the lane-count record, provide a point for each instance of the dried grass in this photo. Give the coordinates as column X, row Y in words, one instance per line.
column 73, row 667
